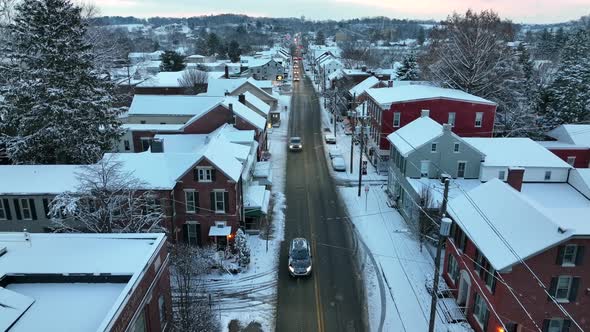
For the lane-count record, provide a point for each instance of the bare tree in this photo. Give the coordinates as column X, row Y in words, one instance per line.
column 194, row 80
column 192, row 307
column 107, row 200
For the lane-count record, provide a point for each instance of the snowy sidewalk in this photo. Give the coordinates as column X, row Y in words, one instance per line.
column 251, row 295
column 404, row 267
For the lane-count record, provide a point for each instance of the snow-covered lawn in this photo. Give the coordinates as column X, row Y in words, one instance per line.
column 251, row 295
column 403, row 267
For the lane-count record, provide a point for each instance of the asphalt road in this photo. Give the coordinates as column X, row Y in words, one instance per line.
column 331, row 299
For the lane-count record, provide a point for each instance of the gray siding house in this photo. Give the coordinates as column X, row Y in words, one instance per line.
column 426, row 149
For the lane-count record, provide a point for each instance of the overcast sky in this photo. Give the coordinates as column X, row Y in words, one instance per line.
column 528, row 11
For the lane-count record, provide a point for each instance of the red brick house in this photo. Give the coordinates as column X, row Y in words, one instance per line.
column 389, row 109
column 82, row 282
column 152, row 115
column 544, row 226
column 570, row 143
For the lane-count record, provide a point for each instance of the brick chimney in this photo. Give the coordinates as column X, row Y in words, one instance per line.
column 515, row 177
column 425, row 113
column 226, row 72
column 242, row 98
column 231, row 107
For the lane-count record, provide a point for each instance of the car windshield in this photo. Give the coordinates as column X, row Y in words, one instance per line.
column 299, row 254
column 295, row 140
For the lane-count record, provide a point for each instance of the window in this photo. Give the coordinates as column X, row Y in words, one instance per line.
column 478, row 119
column 162, row 308
column 205, row 174
column 480, row 310
column 46, row 206
column 396, row 119
column 424, row 168
column 25, row 209
column 433, row 147
column 452, row 116
column 191, row 202
column 547, row 175
column 453, row 269
column 458, row 237
column 556, row 325
column 485, row 270
column 127, row 145
column 3, row 214
column 193, row 234
column 140, row 325
column 461, row 169
column 456, row 147
column 571, row 160
column 142, row 121
column 571, row 254
column 501, row 175
column 219, row 201
column 563, row 288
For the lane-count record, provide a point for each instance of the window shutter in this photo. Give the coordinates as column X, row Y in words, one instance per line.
column 46, row 206
column 7, row 209
column 185, row 233
column 226, row 201
column 196, row 175
column 197, row 205
column 212, row 201
column 579, row 254
column 32, row 207
column 476, row 261
column 566, row 325
column 574, row 289
column 552, row 289
column 213, row 175
column 17, row 209
column 546, row 325
column 560, row 251
column 494, row 283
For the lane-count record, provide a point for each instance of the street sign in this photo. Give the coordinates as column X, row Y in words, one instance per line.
column 364, row 167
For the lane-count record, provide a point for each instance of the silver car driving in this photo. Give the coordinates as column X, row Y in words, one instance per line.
column 299, row 258
column 295, row 144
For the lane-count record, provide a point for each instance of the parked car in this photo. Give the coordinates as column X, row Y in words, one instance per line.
column 338, row 164
column 334, row 151
column 330, row 139
column 299, row 258
column 295, row 144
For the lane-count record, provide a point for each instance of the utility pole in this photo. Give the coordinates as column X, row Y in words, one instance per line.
column 353, row 132
column 362, row 138
column 445, row 227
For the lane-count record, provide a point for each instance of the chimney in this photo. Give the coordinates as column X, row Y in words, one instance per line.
column 390, row 84
column 226, row 72
column 364, row 69
column 515, row 176
column 447, row 127
column 226, row 93
column 242, row 98
column 157, row 145
column 425, row 113
column 231, row 107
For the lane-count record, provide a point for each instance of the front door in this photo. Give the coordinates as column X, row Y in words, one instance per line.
column 461, row 169
column 424, row 168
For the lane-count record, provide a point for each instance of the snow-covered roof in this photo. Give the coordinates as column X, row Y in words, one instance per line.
column 163, row 171
column 245, row 113
column 258, row 103
column 257, row 62
column 151, row 127
column 38, row 179
column 263, row 84
column 436, row 188
column 337, row 74
column 489, row 226
column 580, row 179
column 257, row 197
column 172, row 105
column 405, row 93
column 578, row 134
column 70, row 306
column 415, row 134
column 219, row 231
column 360, row 88
column 515, row 151
column 558, row 145
column 218, row 87
column 171, row 79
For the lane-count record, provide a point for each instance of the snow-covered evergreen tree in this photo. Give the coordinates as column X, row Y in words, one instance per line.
column 410, row 70
column 569, row 94
column 241, row 244
column 57, row 108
